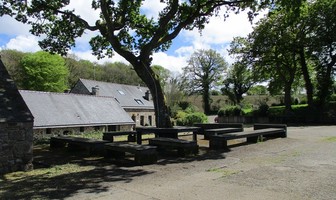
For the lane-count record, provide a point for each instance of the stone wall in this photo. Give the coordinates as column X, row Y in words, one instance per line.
column 16, row 147
column 45, row 133
column 16, row 127
column 142, row 117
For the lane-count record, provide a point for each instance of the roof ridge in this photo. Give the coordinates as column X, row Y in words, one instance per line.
column 60, row 93
column 112, row 83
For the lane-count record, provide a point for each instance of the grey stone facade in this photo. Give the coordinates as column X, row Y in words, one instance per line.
column 16, row 127
column 49, row 132
column 16, row 147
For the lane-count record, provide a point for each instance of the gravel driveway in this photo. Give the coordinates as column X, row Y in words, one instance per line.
column 302, row 166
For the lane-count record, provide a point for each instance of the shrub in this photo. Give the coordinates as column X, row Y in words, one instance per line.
column 188, row 119
column 263, row 110
column 230, row 111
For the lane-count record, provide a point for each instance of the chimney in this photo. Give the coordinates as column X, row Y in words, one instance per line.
column 148, row 95
column 95, row 90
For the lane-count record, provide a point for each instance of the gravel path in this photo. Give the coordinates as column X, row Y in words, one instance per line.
column 302, row 166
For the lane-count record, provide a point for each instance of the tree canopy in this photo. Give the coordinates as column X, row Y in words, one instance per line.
column 204, row 71
column 44, row 72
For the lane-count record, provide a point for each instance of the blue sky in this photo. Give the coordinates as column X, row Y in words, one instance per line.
column 217, row 35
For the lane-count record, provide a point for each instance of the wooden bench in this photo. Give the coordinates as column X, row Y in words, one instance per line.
column 219, row 131
column 260, row 130
column 209, row 126
column 183, row 147
column 143, row 154
column 110, row 135
column 91, row 146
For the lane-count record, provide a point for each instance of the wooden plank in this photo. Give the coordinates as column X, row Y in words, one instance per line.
column 218, row 131
column 184, row 147
column 143, row 154
column 220, row 141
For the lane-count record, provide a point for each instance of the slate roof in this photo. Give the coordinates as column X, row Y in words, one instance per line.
column 12, row 106
column 128, row 96
column 52, row 110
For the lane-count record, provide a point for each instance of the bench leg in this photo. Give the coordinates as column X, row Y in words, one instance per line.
column 207, row 136
column 218, row 144
column 131, row 138
column 146, row 158
column 254, row 139
column 114, row 154
column 183, row 151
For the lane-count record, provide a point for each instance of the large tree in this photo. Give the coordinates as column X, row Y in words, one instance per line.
column 124, row 29
column 321, row 28
column 205, row 68
column 238, row 81
column 12, row 59
column 44, row 72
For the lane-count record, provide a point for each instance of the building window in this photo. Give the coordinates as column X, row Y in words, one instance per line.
column 97, row 128
column 81, row 129
column 150, row 120
column 134, row 118
column 142, row 120
column 112, row 128
column 139, row 101
column 48, row 131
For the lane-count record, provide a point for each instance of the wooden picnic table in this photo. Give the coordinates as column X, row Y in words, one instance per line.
column 165, row 132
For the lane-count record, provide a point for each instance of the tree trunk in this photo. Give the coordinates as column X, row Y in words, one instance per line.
column 306, row 76
column 206, row 99
column 325, row 86
column 288, row 97
column 145, row 72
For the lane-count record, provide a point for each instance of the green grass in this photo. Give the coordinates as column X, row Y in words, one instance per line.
column 330, row 139
column 223, row 172
column 46, row 172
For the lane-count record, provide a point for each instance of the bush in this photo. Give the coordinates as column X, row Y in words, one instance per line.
column 188, row 119
column 263, row 110
column 230, row 111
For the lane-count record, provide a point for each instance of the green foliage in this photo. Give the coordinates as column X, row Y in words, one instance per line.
column 238, row 81
column 230, row 111
column 188, row 119
column 187, row 115
column 262, row 111
column 257, row 90
column 11, row 60
column 44, row 72
column 204, row 71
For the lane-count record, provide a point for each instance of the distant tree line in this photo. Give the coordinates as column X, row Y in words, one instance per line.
column 42, row 71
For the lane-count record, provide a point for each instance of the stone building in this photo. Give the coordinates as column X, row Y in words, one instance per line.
column 16, row 127
column 135, row 100
column 66, row 113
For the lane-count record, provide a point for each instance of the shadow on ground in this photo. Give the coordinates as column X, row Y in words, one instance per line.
column 97, row 170
column 51, row 186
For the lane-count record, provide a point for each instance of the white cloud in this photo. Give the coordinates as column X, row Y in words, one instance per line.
column 87, row 55
column 25, row 43
column 152, row 8
column 9, row 26
column 172, row 63
column 219, row 31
